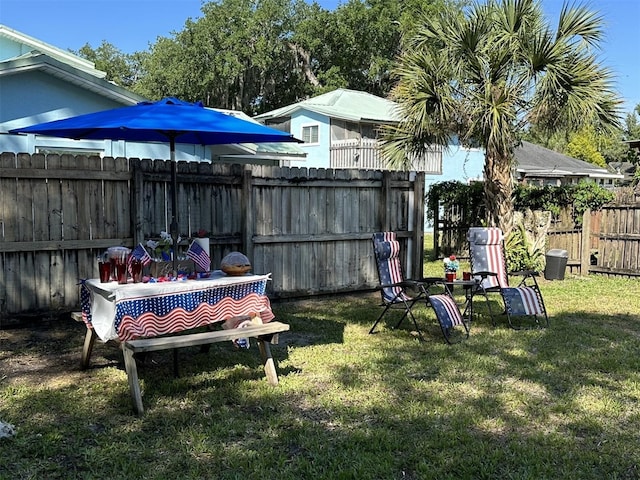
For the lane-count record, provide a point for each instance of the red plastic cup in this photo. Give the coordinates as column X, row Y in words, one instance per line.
column 114, row 274
column 466, row 275
column 136, row 271
column 450, row 276
column 105, row 271
column 121, row 271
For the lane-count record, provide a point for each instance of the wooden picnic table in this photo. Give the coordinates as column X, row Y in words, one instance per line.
column 147, row 317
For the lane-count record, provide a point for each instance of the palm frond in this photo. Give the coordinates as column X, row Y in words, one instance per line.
column 484, row 72
column 577, row 21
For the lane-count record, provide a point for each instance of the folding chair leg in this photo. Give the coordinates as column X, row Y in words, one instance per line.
column 415, row 322
column 406, row 313
column 447, row 333
column 544, row 313
column 449, row 317
column 488, row 303
column 536, row 318
column 379, row 318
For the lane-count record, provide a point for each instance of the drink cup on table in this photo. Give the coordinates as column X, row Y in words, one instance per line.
column 105, row 271
column 121, row 271
column 112, row 269
column 136, row 270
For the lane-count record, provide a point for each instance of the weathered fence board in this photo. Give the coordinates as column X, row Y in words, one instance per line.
column 619, row 240
column 310, row 228
column 605, row 242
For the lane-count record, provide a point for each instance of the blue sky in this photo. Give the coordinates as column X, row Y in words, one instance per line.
column 132, row 25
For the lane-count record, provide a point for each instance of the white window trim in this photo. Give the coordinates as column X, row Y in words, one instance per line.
column 67, row 145
column 70, row 150
column 308, row 125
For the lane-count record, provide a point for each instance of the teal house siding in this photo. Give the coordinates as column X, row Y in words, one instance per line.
column 317, row 153
column 459, row 164
column 41, row 83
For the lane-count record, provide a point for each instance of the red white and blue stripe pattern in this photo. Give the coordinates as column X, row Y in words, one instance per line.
column 446, row 310
column 522, row 301
column 150, row 316
column 199, row 256
column 138, row 253
column 387, row 251
column 487, row 255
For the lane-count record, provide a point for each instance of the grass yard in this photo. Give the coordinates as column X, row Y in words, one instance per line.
column 559, row 403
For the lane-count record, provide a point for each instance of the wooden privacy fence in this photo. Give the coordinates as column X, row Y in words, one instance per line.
column 310, row 228
column 615, row 232
column 606, row 242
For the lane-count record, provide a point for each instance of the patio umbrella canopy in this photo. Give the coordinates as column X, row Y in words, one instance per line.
column 168, row 120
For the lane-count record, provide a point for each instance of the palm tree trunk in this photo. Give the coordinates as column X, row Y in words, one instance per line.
column 498, row 189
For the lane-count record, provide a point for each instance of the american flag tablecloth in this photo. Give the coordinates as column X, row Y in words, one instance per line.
column 138, row 310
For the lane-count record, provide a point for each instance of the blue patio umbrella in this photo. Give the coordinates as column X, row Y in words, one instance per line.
column 168, row 120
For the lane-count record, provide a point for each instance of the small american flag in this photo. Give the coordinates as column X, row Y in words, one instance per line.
column 138, row 253
column 199, row 256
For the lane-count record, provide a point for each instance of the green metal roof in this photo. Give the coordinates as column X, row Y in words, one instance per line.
column 277, row 148
column 343, row 104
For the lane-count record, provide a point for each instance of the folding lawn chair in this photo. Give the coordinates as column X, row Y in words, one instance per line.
column 488, row 264
column 398, row 292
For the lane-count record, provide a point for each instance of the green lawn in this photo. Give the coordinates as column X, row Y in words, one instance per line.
column 559, row 403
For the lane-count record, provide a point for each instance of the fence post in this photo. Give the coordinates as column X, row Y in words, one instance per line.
column 385, row 197
column 418, row 227
column 436, row 229
column 137, row 203
column 247, row 211
column 585, row 243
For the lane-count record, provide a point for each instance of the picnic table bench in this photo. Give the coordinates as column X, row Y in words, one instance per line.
column 265, row 335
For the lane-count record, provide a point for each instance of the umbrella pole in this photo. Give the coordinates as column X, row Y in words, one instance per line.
column 174, row 204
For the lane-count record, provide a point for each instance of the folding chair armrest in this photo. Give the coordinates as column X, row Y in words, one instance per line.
column 432, row 280
column 525, row 273
column 423, row 282
column 405, row 283
column 484, row 274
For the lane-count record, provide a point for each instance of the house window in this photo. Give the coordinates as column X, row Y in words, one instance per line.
column 70, row 151
column 282, row 123
column 310, row 133
column 343, row 130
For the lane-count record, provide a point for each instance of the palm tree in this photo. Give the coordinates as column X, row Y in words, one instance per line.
column 482, row 75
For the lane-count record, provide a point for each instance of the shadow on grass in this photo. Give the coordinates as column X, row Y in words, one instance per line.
column 554, row 403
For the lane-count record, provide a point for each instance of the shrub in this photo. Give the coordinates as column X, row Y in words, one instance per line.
column 521, row 254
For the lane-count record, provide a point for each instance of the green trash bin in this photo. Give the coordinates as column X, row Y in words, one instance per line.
column 556, row 264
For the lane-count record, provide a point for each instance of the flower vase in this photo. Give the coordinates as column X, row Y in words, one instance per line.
column 450, row 277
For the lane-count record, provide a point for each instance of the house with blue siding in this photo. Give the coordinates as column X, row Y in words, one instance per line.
column 41, row 83
column 342, row 128
column 459, row 163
